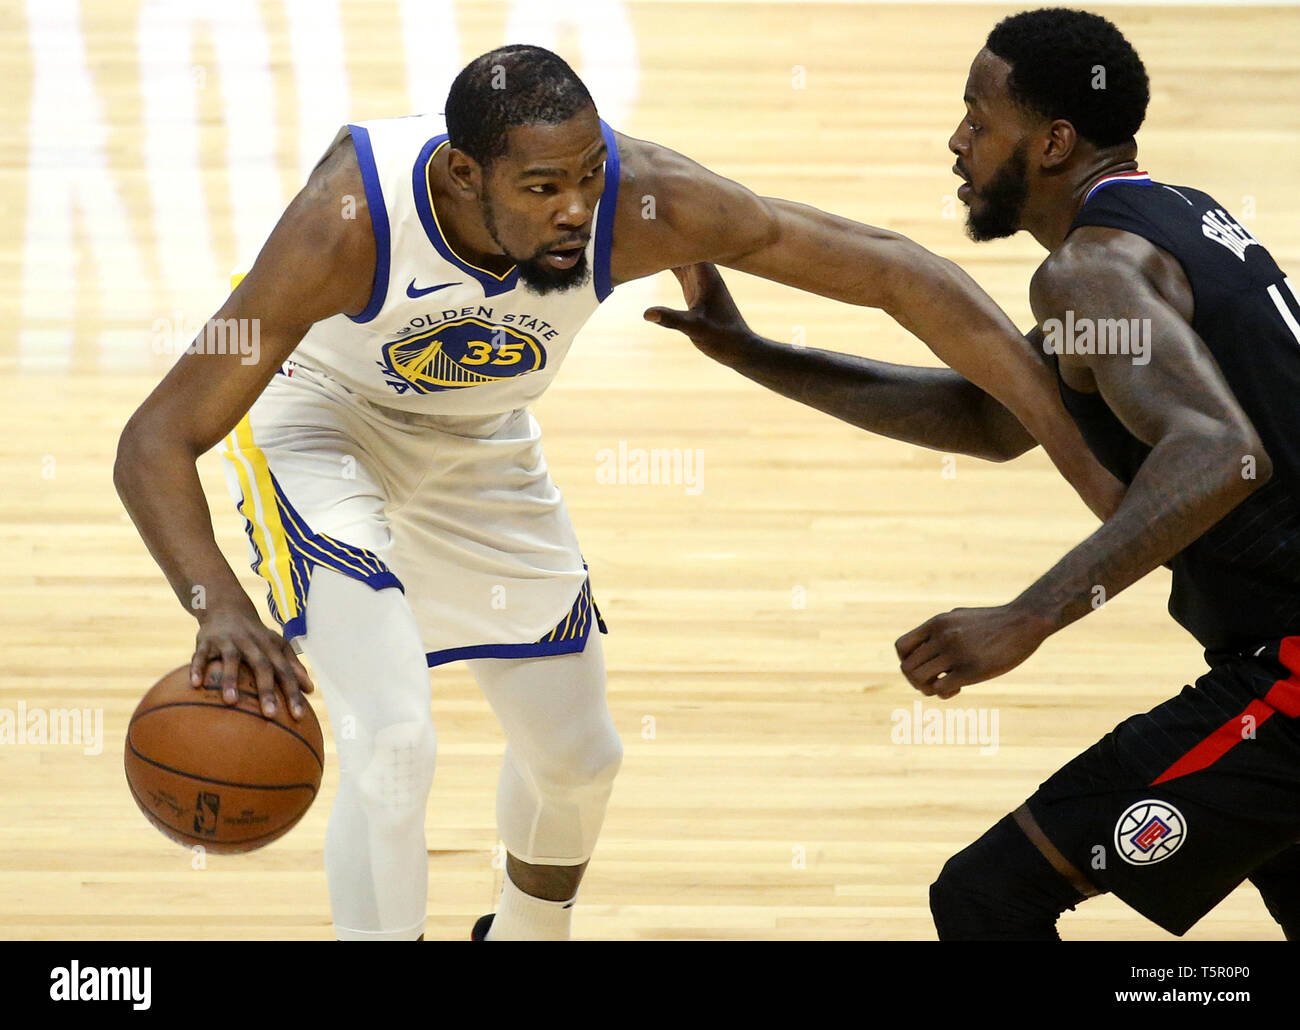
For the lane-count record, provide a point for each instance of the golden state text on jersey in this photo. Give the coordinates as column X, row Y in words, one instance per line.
column 455, row 348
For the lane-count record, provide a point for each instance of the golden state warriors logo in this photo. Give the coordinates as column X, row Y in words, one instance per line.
column 453, row 355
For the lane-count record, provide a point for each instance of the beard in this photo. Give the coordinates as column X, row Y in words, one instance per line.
column 1002, row 201
column 543, row 279
column 537, row 277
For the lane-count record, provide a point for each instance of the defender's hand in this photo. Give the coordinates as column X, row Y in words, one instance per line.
column 229, row 636
column 713, row 321
column 968, row 645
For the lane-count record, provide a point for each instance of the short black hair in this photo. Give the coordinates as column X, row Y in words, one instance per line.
column 509, row 86
column 1077, row 66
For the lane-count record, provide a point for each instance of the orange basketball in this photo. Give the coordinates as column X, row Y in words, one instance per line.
column 223, row 776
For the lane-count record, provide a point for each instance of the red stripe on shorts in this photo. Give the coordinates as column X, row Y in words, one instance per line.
column 1283, row 696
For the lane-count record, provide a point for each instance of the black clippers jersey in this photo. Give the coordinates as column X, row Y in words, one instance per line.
column 1238, row 585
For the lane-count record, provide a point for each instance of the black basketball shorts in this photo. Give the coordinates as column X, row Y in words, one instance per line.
column 1172, row 809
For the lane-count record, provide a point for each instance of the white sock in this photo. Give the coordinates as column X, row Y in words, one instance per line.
column 522, row 917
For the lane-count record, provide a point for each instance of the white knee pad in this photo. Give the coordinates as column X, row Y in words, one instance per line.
column 552, row 815
column 395, row 784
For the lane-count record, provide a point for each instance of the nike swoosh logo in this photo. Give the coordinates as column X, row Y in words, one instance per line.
column 413, row 293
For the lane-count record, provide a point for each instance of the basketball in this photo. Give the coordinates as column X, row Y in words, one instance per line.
column 222, row 776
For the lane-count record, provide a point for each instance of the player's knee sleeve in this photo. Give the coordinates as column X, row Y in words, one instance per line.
column 1000, row 888
column 562, row 757
column 366, row 654
column 375, row 850
column 395, row 783
column 550, row 813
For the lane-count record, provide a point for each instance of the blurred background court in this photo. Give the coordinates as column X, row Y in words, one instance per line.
column 766, row 792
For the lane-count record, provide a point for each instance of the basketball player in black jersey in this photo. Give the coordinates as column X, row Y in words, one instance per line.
column 1176, row 341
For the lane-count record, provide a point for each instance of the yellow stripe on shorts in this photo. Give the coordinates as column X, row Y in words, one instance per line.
column 277, row 563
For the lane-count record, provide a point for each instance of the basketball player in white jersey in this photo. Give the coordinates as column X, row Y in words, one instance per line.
column 390, row 475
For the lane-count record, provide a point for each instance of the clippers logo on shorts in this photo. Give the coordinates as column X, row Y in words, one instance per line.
column 1149, row 832
column 466, row 352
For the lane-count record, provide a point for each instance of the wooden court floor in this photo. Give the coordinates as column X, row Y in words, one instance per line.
column 769, row 789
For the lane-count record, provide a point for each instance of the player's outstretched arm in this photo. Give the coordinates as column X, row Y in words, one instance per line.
column 929, row 407
column 1205, row 459
column 314, row 264
column 699, row 216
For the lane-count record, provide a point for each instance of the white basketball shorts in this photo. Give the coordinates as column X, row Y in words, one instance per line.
column 460, row 513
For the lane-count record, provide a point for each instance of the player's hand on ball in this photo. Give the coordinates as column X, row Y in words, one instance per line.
column 968, row 645
column 229, row 636
column 713, row 322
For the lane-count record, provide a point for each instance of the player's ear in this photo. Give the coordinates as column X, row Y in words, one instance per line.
column 1059, row 143
column 465, row 173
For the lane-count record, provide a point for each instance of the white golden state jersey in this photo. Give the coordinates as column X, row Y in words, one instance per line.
column 439, row 335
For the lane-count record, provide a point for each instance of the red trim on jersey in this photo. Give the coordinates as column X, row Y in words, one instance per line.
column 1283, row 696
column 1117, row 177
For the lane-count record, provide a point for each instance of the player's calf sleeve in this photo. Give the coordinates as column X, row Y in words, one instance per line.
column 1278, row 882
column 1000, row 888
column 368, row 661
